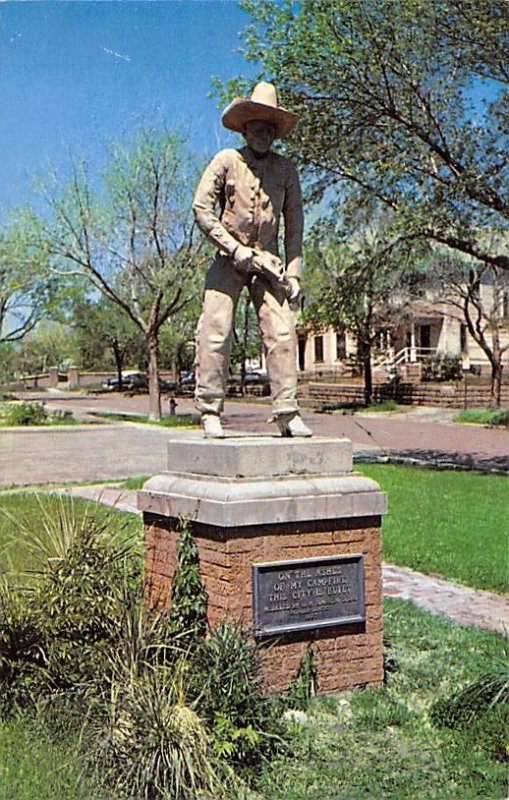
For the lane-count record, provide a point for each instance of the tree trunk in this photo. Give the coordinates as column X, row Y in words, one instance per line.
column 368, row 375
column 496, row 383
column 153, row 376
column 365, row 361
column 496, row 368
column 118, row 355
column 243, row 349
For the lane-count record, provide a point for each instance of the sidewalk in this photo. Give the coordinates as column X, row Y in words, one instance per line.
column 467, row 606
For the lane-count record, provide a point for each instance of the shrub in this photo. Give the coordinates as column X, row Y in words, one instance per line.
column 226, row 679
column 25, row 414
column 483, row 416
column 499, row 418
column 75, row 635
column 442, row 368
column 303, row 689
column 155, row 745
column 188, row 610
column 57, row 622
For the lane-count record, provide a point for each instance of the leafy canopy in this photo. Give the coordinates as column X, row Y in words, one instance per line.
column 403, row 100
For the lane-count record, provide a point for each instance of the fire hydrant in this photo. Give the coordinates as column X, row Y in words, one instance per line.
column 172, row 406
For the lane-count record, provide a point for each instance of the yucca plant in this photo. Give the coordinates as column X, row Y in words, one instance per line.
column 65, row 612
column 156, row 747
column 59, row 525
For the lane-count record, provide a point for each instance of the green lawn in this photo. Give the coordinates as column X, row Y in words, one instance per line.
column 381, row 744
column 168, row 421
column 455, row 524
column 32, row 767
column 23, row 511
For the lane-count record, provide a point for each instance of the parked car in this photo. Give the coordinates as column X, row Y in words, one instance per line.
column 256, row 378
column 166, row 385
column 131, row 381
column 254, row 382
column 188, row 382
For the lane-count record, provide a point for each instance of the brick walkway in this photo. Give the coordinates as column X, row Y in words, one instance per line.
column 459, row 603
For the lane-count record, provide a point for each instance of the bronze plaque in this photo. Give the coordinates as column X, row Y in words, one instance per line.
column 291, row 596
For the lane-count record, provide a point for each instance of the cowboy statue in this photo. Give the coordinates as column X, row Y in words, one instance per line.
column 253, row 188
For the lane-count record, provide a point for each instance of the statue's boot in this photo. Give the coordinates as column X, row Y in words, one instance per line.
column 212, row 428
column 293, row 425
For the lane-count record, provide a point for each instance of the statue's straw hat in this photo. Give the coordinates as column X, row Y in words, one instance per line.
column 261, row 105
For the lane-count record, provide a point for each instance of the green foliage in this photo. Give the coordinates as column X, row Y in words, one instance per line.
column 164, row 708
column 188, row 611
column 481, row 416
column 133, row 238
column 56, row 623
column 180, row 421
column 351, row 283
column 244, row 723
column 155, row 745
column 415, row 116
column 379, row 743
column 488, row 691
column 446, row 522
column 24, row 414
column 27, row 287
column 105, row 336
column 169, row 421
column 301, row 691
column 442, row 368
column 383, row 407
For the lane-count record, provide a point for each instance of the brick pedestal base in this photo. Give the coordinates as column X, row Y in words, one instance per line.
column 334, row 524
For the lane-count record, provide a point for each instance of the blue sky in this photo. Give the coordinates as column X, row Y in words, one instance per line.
column 74, row 74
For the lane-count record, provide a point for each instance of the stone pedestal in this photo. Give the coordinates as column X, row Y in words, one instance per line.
column 289, row 544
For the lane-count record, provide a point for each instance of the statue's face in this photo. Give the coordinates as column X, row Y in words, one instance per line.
column 259, row 135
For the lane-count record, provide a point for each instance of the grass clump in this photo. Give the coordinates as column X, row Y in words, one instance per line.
column 32, row 414
column 169, row 421
column 482, row 416
column 451, row 523
column 382, row 406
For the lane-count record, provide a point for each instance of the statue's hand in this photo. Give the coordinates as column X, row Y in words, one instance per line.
column 243, row 259
column 293, row 294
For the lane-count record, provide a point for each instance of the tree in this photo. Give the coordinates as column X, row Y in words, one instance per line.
column 479, row 293
column 363, row 284
column 177, row 338
column 403, row 100
column 134, row 240
column 103, row 330
column 246, row 337
column 26, row 287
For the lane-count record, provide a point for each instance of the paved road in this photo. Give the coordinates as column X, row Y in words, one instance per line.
column 98, row 452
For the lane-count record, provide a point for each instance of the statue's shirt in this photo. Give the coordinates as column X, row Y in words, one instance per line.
column 241, row 198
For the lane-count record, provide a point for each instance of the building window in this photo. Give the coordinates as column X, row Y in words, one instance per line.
column 340, row 345
column 318, row 341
